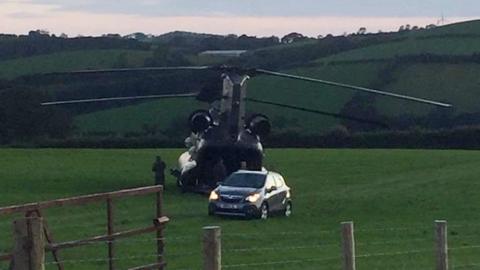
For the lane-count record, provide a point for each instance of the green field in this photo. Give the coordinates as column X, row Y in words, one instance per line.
column 392, row 195
column 454, row 39
column 453, row 83
column 131, row 118
column 73, row 60
column 441, row 45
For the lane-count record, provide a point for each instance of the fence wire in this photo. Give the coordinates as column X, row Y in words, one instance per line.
column 376, row 247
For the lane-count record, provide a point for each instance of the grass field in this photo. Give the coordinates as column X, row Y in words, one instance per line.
column 454, row 83
column 442, row 46
column 131, row 118
column 392, row 195
column 71, row 60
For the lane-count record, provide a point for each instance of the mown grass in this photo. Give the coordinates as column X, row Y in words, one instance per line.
column 392, row 195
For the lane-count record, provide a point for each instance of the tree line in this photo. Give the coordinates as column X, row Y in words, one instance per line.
column 37, row 42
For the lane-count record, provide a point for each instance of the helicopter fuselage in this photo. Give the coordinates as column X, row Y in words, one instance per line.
column 226, row 145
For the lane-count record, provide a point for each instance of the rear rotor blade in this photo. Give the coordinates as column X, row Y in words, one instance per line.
column 335, row 115
column 353, row 87
column 78, row 101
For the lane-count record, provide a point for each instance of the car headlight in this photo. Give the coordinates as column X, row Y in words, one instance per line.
column 213, row 196
column 253, row 197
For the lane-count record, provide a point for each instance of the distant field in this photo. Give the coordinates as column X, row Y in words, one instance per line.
column 411, row 46
column 463, row 28
column 73, row 60
column 131, row 118
column 454, row 83
column 393, row 197
column 161, row 113
column 454, row 39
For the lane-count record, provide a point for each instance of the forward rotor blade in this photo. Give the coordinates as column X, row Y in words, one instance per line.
column 119, row 70
column 77, row 101
column 353, row 87
column 335, row 115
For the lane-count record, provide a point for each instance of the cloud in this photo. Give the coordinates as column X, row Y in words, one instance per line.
column 25, row 15
column 20, row 16
column 282, row 8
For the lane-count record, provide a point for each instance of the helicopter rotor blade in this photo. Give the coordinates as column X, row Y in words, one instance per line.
column 140, row 69
column 353, row 87
column 335, row 115
column 78, row 101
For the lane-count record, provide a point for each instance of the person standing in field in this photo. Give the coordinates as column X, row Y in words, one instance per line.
column 158, row 168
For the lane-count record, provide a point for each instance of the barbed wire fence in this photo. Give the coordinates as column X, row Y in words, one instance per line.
column 413, row 247
column 420, row 253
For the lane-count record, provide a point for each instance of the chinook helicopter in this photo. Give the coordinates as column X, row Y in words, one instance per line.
column 223, row 139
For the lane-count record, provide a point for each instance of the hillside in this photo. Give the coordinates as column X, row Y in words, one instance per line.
column 439, row 63
column 445, row 80
column 72, row 60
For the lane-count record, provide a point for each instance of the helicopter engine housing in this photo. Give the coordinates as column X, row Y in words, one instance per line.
column 259, row 125
column 200, row 121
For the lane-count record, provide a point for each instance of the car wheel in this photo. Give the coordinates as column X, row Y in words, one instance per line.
column 264, row 211
column 288, row 209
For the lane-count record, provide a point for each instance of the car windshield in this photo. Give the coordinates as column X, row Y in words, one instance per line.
column 248, row 180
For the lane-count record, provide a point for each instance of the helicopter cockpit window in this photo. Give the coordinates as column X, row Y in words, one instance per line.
column 249, row 180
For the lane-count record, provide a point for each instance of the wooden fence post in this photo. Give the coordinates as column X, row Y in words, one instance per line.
column 110, row 231
column 160, row 236
column 441, row 244
column 348, row 246
column 212, row 250
column 29, row 250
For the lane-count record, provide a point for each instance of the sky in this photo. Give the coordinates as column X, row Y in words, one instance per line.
column 252, row 17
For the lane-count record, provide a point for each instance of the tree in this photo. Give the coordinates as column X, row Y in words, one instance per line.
column 38, row 33
column 23, row 118
column 362, row 31
column 292, row 37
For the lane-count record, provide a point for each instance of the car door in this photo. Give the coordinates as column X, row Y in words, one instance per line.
column 283, row 190
column 270, row 195
column 274, row 196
